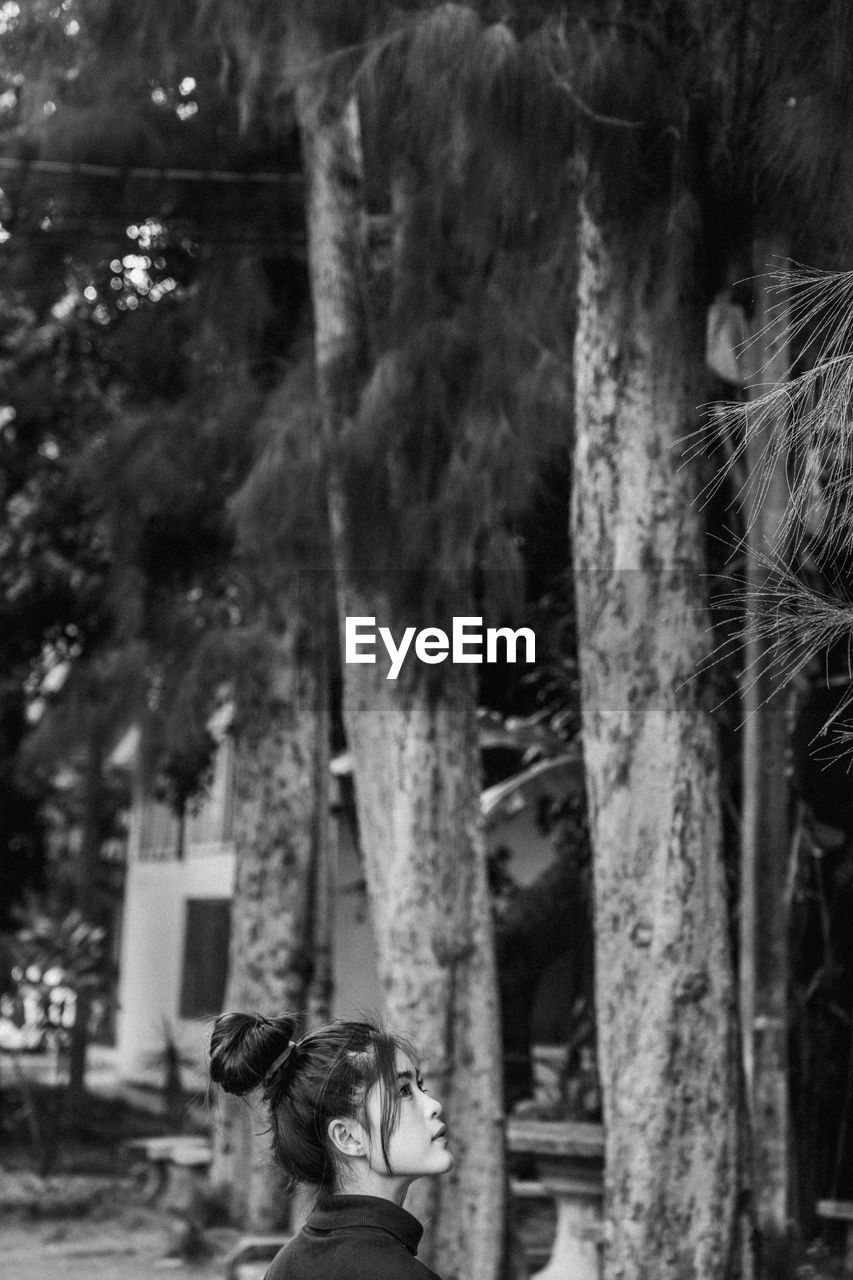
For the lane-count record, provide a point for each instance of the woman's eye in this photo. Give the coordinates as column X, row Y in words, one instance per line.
column 422, row 1087
column 405, row 1090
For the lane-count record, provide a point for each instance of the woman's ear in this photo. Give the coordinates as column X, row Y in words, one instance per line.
column 348, row 1137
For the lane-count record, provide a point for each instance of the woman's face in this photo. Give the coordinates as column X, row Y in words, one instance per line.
column 417, row 1146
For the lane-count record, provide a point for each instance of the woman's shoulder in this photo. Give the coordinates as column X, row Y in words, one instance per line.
column 399, row 1265
column 365, row 1255
column 360, row 1253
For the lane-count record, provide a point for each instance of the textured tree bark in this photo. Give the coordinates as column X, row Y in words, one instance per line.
column 282, row 844
column 416, row 758
column 85, row 893
column 664, row 986
column 765, row 910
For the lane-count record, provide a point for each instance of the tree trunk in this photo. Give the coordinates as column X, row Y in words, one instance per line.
column 766, row 828
column 416, row 758
column 85, row 893
column 664, row 986
column 281, row 839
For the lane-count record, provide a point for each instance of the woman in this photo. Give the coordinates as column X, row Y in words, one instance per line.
column 349, row 1115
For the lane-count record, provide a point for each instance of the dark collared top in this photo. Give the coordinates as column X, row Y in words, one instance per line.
column 353, row 1238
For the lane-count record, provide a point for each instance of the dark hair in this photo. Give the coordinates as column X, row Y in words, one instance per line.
column 307, row 1081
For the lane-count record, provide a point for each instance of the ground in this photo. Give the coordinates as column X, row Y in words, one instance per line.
column 120, row 1241
column 97, row 1228
column 83, row 1228
column 89, row 1213
column 73, row 1202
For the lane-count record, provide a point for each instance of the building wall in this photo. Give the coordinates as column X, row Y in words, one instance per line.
column 152, row 957
column 168, row 865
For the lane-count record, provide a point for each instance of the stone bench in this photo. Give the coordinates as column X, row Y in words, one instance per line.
column 840, row 1211
column 180, row 1165
column 570, row 1168
column 174, row 1164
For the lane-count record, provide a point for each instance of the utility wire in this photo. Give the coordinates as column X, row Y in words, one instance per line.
column 172, row 175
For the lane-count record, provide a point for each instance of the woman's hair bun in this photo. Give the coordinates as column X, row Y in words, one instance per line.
column 243, row 1047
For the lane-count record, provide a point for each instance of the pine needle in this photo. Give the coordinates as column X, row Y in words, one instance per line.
column 805, row 424
column 785, row 622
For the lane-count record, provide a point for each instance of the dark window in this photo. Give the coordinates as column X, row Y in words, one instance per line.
column 207, row 930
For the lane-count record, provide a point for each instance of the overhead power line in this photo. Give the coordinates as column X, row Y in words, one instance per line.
column 172, row 175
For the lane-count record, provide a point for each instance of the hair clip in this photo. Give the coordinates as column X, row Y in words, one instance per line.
column 280, row 1061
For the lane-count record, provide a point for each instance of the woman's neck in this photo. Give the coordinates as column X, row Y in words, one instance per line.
column 364, row 1181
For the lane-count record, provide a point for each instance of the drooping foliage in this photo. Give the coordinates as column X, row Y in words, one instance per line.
column 472, row 329
column 53, row 561
column 159, row 313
